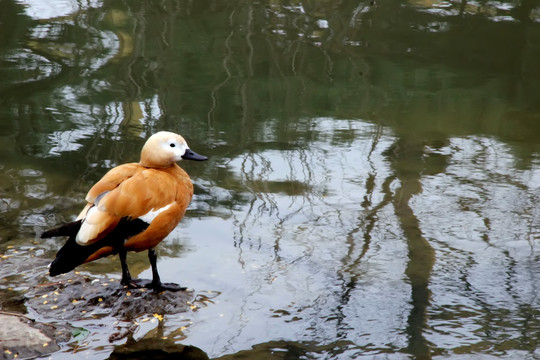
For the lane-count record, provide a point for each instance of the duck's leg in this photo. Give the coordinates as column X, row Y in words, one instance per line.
column 156, row 284
column 127, row 280
column 126, row 276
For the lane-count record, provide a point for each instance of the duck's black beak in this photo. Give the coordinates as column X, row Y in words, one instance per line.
column 192, row 155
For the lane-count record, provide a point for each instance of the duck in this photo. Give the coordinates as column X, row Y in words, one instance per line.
column 132, row 208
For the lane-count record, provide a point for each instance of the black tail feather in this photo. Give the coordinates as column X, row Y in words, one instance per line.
column 69, row 229
column 72, row 254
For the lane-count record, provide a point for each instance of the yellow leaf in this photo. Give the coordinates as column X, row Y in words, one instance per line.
column 159, row 317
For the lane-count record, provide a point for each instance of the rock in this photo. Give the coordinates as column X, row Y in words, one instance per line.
column 68, row 299
column 78, row 296
column 20, row 338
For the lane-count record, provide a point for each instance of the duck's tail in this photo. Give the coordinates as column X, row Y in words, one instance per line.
column 72, row 254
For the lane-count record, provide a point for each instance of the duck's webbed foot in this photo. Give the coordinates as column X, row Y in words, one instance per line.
column 127, row 281
column 135, row 283
column 150, row 284
column 166, row 287
column 156, row 284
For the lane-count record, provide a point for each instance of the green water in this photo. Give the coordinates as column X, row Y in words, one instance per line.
column 373, row 175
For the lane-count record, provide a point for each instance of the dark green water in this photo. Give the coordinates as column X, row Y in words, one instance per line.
column 373, row 179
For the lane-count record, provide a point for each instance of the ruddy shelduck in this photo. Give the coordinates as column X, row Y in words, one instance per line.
column 132, row 208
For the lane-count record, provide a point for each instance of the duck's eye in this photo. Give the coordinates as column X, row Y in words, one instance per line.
column 172, row 145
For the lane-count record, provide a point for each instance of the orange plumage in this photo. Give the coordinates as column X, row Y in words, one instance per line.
column 132, row 208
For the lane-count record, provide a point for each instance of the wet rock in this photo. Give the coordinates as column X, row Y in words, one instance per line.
column 59, row 304
column 21, row 337
column 79, row 296
column 24, row 283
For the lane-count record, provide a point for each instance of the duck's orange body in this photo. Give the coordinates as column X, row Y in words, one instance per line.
column 132, row 208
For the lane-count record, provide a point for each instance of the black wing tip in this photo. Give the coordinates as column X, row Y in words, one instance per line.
column 66, row 260
column 53, row 272
column 54, row 268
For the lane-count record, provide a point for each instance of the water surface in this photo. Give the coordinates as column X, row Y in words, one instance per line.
column 373, row 173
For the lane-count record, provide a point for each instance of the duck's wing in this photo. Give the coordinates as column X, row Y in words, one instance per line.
column 96, row 222
column 112, row 179
column 139, row 193
column 171, row 195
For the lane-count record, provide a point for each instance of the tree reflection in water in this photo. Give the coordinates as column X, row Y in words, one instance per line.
column 371, row 188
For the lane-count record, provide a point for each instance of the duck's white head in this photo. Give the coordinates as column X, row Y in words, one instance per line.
column 166, row 148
